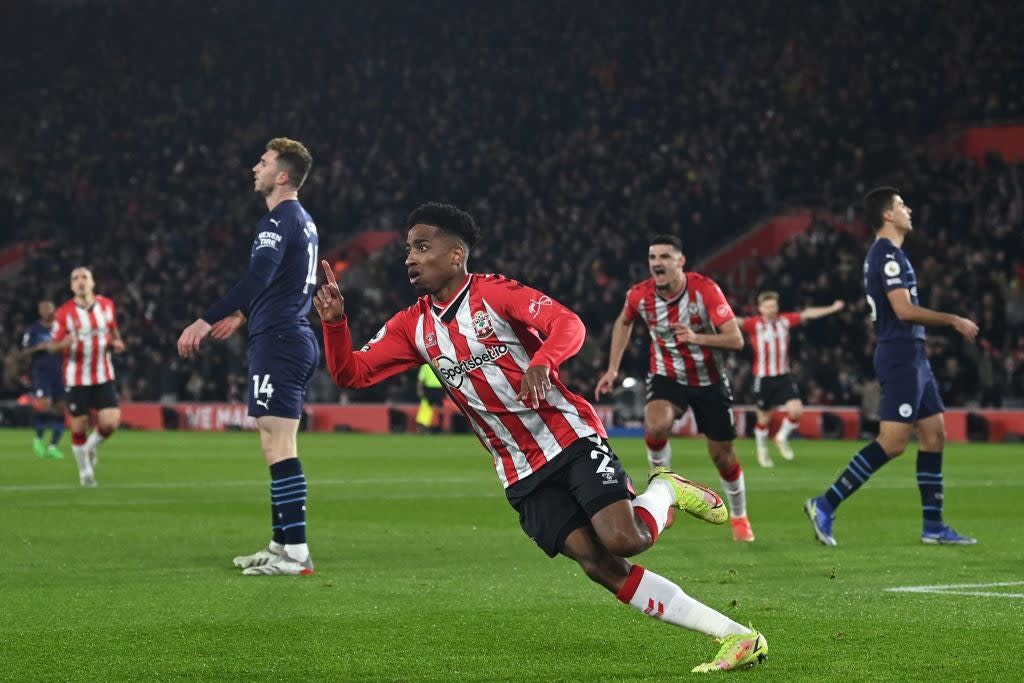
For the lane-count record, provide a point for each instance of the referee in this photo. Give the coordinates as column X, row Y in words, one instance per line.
column 431, row 393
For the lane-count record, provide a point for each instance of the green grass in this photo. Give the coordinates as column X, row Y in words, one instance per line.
column 424, row 574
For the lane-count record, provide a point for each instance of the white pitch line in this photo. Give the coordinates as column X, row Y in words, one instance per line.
column 955, row 589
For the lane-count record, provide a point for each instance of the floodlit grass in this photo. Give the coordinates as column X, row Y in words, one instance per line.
column 423, row 572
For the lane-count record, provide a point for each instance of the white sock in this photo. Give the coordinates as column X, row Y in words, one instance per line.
column 656, row 501
column 276, row 547
column 298, row 552
column 761, row 436
column 736, row 492
column 82, row 458
column 661, row 599
column 94, row 440
column 787, row 428
column 661, row 457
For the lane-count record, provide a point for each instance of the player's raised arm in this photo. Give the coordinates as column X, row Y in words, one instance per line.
column 621, row 331
column 390, row 352
column 815, row 312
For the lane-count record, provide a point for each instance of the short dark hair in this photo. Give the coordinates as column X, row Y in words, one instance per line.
column 294, row 157
column 876, row 203
column 671, row 240
column 446, row 218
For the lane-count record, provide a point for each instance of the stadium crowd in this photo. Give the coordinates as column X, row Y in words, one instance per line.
column 570, row 140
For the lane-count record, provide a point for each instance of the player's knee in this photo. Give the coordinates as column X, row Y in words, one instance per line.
column 893, row 447
column 796, row 413
column 933, row 441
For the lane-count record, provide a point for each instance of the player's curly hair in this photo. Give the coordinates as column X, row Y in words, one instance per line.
column 446, row 218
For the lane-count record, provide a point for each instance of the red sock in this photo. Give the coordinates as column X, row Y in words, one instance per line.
column 78, row 439
column 655, row 444
column 731, row 472
column 104, row 432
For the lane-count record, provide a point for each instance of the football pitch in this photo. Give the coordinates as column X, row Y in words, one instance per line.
column 423, row 573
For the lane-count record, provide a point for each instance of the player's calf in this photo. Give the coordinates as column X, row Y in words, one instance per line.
column 623, row 529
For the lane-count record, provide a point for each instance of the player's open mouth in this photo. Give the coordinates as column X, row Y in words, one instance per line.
column 413, row 275
column 658, row 270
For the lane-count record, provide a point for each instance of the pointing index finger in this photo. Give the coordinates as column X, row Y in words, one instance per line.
column 328, row 272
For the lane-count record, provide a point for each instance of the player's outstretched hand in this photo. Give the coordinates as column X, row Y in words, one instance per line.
column 328, row 301
column 225, row 327
column 192, row 337
column 967, row 328
column 838, row 305
column 536, row 383
column 606, row 383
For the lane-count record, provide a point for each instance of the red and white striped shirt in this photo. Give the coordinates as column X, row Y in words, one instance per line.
column 87, row 360
column 702, row 307
column 771, row 343
column 480, row 344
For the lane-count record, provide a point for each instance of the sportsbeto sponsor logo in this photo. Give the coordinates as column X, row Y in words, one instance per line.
column 453, row 371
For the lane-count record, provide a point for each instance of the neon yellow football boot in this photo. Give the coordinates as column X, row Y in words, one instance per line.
column 694, row 498
column 737, row 652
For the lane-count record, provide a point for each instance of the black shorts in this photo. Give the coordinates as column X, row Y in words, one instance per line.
column 770, row 392
column 564, row 494
column 434, row 395
column 94, row 397
column 712, row 405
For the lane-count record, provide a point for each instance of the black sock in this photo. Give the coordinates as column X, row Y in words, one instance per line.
column 868, row 461
column 288, row 501
column 40, row 424
column 929, row 483
column 57, row 425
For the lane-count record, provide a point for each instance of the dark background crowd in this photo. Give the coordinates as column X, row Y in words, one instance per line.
column 570, row 130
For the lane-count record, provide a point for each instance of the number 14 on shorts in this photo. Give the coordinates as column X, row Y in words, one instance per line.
column 261, row 386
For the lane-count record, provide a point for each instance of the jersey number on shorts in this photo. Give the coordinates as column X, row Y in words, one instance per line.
column 603, row 467
column 262, row 387
column 311, row 250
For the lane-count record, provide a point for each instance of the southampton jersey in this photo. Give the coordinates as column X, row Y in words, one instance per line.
column 886, row 268
column 770, row 343
column 87, row 360
column 480, row 345
column 287, row 237
column 702, row 307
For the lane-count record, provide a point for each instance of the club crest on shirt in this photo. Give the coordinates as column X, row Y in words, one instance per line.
column 482, row 325
column 430, row 339
column 693, row 308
